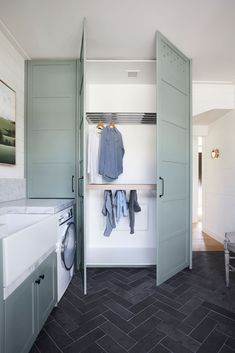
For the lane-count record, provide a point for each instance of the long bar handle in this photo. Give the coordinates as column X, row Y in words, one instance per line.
column 79, row 179
column 163, row 186
column 72, row 183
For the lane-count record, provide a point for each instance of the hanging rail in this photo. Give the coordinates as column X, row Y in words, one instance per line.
column 122, row 186
column 122, row 118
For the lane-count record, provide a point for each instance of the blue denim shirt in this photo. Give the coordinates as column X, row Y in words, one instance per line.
column 111, row 154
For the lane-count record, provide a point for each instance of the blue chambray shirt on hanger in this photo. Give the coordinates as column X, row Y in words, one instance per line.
column 111, row 153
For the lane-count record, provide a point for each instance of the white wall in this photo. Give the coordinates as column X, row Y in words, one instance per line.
column 12, row 183
column 121, row 98
column 219, row 178
column 207, row 96
column 139, row 166
column 195, row 179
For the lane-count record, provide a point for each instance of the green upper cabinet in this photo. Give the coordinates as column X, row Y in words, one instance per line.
column 51, row 114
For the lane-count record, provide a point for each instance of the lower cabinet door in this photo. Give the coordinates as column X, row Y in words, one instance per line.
column 46, row 289
column 20, row 313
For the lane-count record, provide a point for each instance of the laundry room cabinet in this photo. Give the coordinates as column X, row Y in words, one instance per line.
column 51, row 119
column 152, row 110
column 46, row 289
column 150, row 103
column 28, row 307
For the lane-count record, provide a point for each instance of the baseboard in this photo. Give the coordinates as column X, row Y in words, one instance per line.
column 214, row 236
column 119, row 265
column 118, row 257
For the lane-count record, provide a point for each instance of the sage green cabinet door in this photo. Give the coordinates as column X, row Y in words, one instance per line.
column 173, row 160
column 46, row 289
column 51, row 114
column 20, row 318
column 82, row 128
column 1, row 302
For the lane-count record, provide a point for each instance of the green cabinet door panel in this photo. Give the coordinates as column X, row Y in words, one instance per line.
column 51, row 181
column 51, row 118
column 1, row 301
column 173, row 160
column 46, row 296
column 53, row 78
column 46, row 144
column 20, row 318
column 50, row 113
column 82, row 128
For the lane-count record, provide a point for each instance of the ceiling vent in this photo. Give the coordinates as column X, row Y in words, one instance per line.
column 133, row 73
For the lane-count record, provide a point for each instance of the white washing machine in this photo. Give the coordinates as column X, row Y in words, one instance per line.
column 65, row 249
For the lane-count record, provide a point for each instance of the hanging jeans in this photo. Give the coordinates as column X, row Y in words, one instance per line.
column 133, row 207
column 120, row 203
column 108, row 211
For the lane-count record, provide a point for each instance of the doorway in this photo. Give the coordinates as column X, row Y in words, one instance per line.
column 201, row 241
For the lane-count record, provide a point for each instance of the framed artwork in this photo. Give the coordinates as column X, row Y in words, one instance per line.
column 7, row 124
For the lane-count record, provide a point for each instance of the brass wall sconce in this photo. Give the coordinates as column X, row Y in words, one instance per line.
column 215, row 153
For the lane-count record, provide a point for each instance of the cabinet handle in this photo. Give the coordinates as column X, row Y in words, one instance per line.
column 163, row 186
column 79, row 180
column 37, row 281
column 72, row 183
column 42, row 276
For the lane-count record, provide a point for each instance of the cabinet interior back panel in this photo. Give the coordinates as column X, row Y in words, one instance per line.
column 139, row 167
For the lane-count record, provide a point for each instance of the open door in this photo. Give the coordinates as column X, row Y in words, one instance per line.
column 81, row 125
column 173, row 160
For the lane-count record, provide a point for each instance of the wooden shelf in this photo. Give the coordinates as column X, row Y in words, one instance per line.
column 121, row 186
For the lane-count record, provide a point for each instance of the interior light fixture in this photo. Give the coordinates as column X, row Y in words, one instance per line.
column 215, row 153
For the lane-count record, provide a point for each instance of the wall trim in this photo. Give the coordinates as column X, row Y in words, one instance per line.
column 217, row 237
column 13, row 41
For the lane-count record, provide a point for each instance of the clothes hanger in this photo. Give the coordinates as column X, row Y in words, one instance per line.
column 112, row 124
column 100, row 125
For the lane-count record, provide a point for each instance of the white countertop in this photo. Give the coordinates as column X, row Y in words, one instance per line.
column 45, row 206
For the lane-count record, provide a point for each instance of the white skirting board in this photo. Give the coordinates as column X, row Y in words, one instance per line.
column 107, row 257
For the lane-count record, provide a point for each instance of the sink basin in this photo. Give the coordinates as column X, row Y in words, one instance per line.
column 12, row 222
column 25, row 239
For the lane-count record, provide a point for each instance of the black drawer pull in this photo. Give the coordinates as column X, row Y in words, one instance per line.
column 42, row 276
column 37, row 281
column 72, row 183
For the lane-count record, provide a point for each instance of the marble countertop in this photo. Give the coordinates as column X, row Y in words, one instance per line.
column 45, row 206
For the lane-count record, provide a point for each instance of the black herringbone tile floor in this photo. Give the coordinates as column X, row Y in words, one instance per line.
column 125, row 312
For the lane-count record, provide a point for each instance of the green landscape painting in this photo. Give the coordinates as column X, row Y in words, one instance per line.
column 7, row 124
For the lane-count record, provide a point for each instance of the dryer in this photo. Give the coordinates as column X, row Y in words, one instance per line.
column 65, row 249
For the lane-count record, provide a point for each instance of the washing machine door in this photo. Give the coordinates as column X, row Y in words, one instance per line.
column 68, row 248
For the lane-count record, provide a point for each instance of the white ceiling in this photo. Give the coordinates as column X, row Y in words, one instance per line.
column 125, row 29
column 209, row 116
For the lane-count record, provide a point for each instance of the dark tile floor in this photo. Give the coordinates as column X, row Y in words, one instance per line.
column 125, row 312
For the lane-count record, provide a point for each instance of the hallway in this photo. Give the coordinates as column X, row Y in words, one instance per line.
column 202, row 241
column 125, row 312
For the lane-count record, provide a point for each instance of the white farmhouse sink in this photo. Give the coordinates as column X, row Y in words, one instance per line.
column 25, row 238
column 14, row 222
